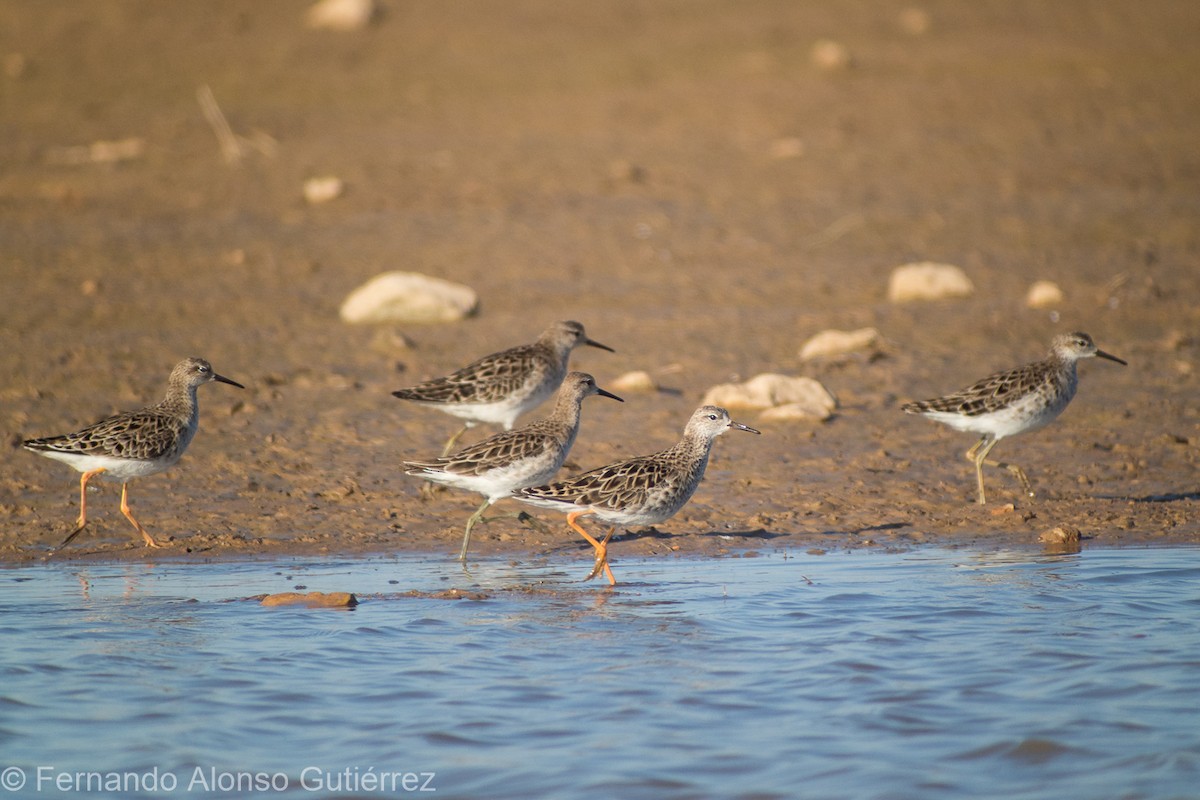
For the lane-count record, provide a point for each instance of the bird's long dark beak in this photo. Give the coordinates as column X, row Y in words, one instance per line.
column 742, row 427
column 594, row 343
column 603, row 393
column 223, row 379
column 1111, row 357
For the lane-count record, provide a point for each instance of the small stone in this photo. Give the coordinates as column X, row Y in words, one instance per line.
column 636, row 381
column 1060, row 534
column 623, row 170
column 769, row 390
column 390, row 342
column 341, row 15
column 311, row 599
column 323, row 189
column 927, row 280
column 787, row 147
column 1174, row 340
column 99, row 152
column 1044, row 294
column 408, row 297
column 836, row 343
column 15, row 65
column 829, row 55
column 915, row 21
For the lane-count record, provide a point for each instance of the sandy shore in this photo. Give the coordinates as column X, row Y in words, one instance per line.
column 684, row 179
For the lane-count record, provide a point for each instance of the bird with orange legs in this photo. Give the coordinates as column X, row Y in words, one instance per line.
column 134, row 444
column 645, row 490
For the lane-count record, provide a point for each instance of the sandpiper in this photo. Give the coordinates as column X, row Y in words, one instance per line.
column 502, row 386
column 1013, row 401
column 134, row 444
column 645, row 490
column 514, row 459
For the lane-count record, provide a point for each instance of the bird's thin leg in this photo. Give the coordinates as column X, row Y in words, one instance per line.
column 981, row 458
column 601, row 547
column 521, row 516
column 454, row 440
column 1015, row 470
column 975, row 447
column 82, row 521
column 978, row 456
column 607, row 569
column 474, row 518
column 129, row 516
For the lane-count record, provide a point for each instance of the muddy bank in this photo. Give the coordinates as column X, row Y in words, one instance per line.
column 689, row 183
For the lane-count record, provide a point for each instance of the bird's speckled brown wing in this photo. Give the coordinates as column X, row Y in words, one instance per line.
column 502, row 449
column 488, row 380
column 143, row 434
column 627, row 485
column 989, row 394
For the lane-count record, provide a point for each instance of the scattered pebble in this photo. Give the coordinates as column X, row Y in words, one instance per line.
column 810, row 400
column 915, row 21
column 390, row 342
column 100, row 152
column 341, row 15
column 1175, row 339
column 636, row 381
column 323, row 189
column 448, row 594
column 409, row 297
column 927, row 280
column 311, row 599
column 1044, row 294
column 623, row 170
column 836, row 343
column 15, row 65
column 829, row 55
column 787, row 147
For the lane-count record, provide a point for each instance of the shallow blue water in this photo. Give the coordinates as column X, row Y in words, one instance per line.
column 926, row 674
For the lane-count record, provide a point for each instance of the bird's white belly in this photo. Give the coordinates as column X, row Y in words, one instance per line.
column 497, row 413
column 115, row 469
column 502, row 412
column 500, row 482
column 1027, row 414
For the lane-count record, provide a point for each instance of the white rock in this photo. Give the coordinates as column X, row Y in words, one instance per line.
column 927, row 280
column 341, row 15
column 769, row 390
column 323, row 189
column 636, row 381
column 1044, row 294
column 794, row 412
column 836, row 343
column 408, row 297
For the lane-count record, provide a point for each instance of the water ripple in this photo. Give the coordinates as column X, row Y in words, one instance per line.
column 928, row 674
